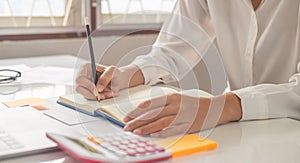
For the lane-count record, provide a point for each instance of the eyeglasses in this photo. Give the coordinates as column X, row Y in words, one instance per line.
column 7, row 75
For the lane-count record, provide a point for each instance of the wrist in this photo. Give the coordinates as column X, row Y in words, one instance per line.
column 232, row 110
column 131, row 76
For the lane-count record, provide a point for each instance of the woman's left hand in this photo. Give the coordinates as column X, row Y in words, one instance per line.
column 178, row 114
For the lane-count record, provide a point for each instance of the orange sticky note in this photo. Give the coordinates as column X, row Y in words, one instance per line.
column 25, row 102
column 39, row 107
column 187, row 144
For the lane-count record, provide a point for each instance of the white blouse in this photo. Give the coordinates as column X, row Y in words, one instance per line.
column 259, row 50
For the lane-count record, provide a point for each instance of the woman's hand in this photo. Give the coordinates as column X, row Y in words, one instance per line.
column 177, row 114
column 107, row 86
column 110, row 80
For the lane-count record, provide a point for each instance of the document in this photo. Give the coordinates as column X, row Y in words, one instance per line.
column 43, row 74
column 65, row 115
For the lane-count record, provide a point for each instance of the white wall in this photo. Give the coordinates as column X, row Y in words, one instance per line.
column 108, row 50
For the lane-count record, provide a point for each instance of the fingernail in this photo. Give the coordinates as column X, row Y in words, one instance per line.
column 144, row 104
column 126, row 119
column 138, row 132
column 126, row 128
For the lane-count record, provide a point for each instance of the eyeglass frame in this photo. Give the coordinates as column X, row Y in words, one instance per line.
column 10, row 78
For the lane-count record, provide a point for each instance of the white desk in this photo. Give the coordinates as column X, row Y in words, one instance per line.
column 276, row 140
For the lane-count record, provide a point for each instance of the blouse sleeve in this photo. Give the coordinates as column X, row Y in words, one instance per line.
column 266, row 101
column 184, row 38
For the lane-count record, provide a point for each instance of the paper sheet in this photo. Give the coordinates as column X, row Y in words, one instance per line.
column 66, row 115
column 43, row 74
column 51, row 75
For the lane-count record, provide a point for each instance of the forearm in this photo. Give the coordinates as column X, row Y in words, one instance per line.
column 131, row 76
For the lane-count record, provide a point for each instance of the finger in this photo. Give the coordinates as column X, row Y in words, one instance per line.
column 147, row 118
column 86, row 83
column 100, row 68
column 154, row 126
column 155, row 102
column 147, row 106
column 86, row 93
column 113, row 86
column 141, row 114
column 105, row 78
column 86, row 70
column 171, row 131
column 106, row 94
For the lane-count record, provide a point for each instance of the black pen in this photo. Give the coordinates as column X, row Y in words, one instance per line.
column 92, row 56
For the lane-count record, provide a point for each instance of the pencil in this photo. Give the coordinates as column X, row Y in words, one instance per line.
column 92, row 56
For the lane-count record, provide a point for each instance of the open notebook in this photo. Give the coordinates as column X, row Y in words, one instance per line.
column 117, row 108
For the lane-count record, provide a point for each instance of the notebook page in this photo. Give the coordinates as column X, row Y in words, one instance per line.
column 122, row 106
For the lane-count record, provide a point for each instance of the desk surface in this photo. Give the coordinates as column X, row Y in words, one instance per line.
column 276, row 140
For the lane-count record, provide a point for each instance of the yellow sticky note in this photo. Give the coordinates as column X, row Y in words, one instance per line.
column 187, row 144
column 25, row 102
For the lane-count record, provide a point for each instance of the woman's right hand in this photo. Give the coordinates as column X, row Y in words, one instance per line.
column 108, row 84
column 111, row 79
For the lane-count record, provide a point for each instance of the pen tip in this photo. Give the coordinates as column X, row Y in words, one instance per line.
column 86, row 21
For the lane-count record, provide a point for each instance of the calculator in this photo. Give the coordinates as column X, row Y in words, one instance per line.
column 115, row 147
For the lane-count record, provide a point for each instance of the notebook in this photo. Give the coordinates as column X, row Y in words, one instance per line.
column 115, row 109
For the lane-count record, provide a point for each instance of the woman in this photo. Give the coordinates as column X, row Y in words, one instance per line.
column 259, row 42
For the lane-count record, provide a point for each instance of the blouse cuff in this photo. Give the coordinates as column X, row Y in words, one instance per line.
column 152, row 74
column 254, row 104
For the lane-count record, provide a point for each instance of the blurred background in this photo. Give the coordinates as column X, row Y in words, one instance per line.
column 31, row 28
column 33, row 24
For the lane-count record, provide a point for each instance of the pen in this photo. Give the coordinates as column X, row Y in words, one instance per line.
column 92, row 56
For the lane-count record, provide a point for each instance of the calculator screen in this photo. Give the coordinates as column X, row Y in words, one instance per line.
column 85, row 146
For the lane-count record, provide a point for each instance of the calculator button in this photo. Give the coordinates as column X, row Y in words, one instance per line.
column 132, row 146
column 16, row 146
column 142, row 140
column 140, row 150
column 149, row 143
column 115, row 144
column 117, row 138
column 11, row 142
column 159, row 148
column 122, row 147
column 6, row 138
column 141, row 145
column 131, row 152
column 125, row 142
column 134, row 141
column 150, row 149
